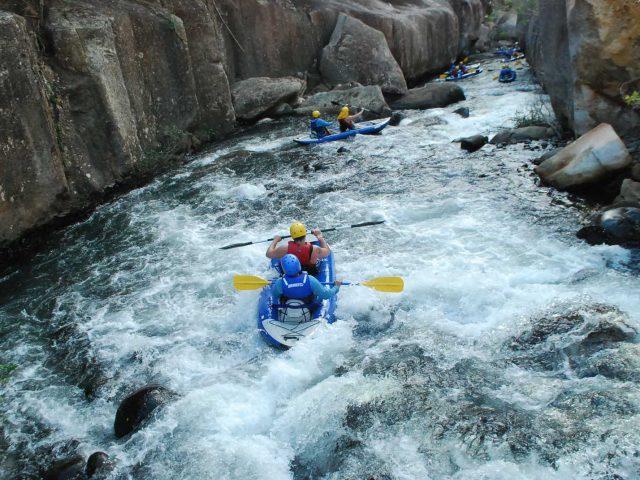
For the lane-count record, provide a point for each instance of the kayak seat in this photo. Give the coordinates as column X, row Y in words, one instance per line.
column 295, row 311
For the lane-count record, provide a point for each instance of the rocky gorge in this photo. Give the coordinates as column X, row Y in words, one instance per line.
column 98, row 94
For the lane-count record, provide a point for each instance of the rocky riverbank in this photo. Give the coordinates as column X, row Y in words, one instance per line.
column 99, row 94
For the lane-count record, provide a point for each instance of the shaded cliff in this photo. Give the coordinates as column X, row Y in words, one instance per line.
column 583, row 52
column 97, row 93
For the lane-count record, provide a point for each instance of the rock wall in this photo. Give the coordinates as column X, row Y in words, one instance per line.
column 582, row 52
column 93, row 90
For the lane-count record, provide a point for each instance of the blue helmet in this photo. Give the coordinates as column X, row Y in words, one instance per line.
column 290, row 265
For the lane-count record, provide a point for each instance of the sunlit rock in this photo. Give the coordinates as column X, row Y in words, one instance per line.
column 587, row 160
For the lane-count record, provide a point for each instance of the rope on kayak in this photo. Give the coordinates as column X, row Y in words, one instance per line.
column 229, row 29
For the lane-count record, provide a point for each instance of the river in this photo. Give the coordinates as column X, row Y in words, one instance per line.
column 419, row 385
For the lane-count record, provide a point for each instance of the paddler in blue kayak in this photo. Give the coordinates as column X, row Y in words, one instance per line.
column 307, row 253
column 318, row 126
column 297, row 284
column 347, row 121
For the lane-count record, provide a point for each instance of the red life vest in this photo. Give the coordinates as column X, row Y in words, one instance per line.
column 303, row 252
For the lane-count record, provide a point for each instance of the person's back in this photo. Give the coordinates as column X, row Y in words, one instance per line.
column 297, row 284
column 318, row 126
column 308, row 253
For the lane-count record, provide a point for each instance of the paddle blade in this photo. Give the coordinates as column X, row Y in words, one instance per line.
column 386, row 284
column 249, row 282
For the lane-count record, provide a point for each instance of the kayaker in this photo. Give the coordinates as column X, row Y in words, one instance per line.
column 307, row 253
column 347, row 121
column 297, row 284
column 319, row 126
column 463, row 69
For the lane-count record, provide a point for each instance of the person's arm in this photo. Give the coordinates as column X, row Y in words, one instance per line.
column 321, row 251
column 324, row 292
column 276, row 290
column 324, row 123
column 274, row 251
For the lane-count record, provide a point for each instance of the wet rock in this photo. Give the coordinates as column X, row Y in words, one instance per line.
column 621, row 363
column 72, row 355
column 433, row 95
column 342, row 150
column 99, row 466
column 396, row 118
column 574, row 334
column 629, row 192
column 588, row 160
column 520, row 135
column 138, row 407
column 67, row 469
column 462, row 111
column 255, row 97
column 635, row 172
column 357, row 52
column 615, row 226
column 370, row 98
column 474, row 143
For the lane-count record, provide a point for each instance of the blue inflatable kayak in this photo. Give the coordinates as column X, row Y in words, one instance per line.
column 362, row 128
column 462, row 77
column 284, row 325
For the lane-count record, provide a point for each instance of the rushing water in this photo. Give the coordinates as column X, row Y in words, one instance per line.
column 421, row 385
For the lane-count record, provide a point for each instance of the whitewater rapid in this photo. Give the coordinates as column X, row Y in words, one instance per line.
column 141, row 293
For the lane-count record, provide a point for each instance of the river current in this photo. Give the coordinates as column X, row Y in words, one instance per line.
column 420, row 385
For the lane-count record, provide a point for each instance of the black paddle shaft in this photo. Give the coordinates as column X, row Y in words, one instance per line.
column 332, row 229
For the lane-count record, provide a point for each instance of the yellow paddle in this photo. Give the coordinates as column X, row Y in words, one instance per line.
column 381, row 284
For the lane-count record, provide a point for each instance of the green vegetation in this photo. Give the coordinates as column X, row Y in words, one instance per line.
column 5, row 371
column 538, row 114
column 633, row 100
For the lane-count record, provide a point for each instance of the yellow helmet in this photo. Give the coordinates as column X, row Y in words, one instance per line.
column 315, row 114
column 344, row 113
column 297, row 230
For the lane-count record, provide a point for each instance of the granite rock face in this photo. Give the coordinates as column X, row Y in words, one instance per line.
column 92, row 89
column 583, row 51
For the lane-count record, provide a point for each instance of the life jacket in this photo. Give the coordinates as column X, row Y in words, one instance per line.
column 303, row 251
column 297, row 287
column 317, row 130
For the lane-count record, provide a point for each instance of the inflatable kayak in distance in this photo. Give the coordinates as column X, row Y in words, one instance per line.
column 507, row 76
column 362, row 128
column 514, row 58
column 284, row 325
column 462, row 77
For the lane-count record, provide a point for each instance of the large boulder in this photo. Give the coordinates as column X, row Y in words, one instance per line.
column 138, row 407
column 370, row 98
column 523, row 134
column 66, row 469
column 629, row 192
column 359, row 53
column 614, row 226
column 582, row 51
column 99, row 466
column 433, row 95
column 255, row 97
column 588, row 160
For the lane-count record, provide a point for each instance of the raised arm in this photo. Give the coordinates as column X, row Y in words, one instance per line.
column 323, row 250
column 274, row 251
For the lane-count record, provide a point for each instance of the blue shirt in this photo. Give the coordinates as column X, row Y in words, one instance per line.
column 318, row 127
column 320, row 291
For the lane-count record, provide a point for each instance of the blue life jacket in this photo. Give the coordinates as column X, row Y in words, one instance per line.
column 298, row 287
column 318, row 131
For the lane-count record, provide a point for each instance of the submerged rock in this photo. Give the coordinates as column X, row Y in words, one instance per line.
column 255, row 97
column 67, row 469
column 370, row 98
column 474, row 143
column 433, row 95
column 615, row 226
column 588, row 160
column 462, row 111
column 138, row 407
column 357, row 52
column 98, row 466
column 396, row 118
column 524, row 134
